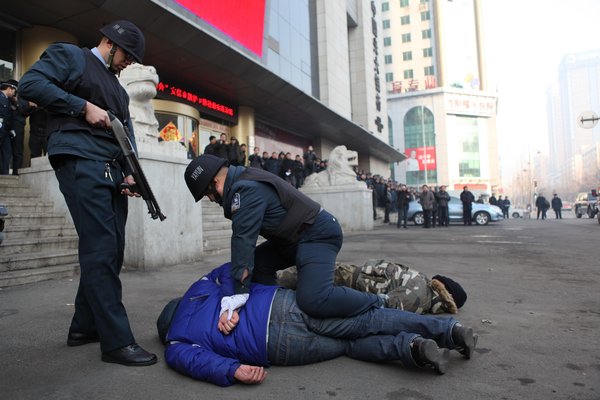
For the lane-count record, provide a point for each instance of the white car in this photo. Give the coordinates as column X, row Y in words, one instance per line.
column 517, row 212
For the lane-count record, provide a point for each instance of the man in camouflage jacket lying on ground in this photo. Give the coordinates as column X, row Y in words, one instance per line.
column 404, row 288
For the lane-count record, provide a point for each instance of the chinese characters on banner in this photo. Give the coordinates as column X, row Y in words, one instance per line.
column 420, row 158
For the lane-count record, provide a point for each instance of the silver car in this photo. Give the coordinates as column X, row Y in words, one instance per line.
column 481, row 214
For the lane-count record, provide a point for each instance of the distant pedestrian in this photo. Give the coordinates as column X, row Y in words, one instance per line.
column 427, row 203
column 255, row 159
column 403, row 199
column 443, row 197
column 557, row 206
column 542, row 206
column 506, row 207
column 467, row 199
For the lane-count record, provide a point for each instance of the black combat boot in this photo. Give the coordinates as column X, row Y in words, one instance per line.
column 426, row 353
column 464, row 340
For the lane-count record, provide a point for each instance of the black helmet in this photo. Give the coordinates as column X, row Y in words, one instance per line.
column 200, row 172
column 127, row 36
column 163, row 323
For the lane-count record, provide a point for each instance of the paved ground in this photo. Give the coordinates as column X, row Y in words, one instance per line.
column 533, row 298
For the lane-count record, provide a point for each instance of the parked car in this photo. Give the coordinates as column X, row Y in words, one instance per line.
column 567, row 206
column 517, row 212
column 585, row 203
column 482, row 214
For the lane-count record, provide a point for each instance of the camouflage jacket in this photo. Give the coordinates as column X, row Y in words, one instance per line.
column 407, row 289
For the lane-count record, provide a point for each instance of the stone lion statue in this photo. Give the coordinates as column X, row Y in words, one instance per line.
column 140, row 83
column 339, row 170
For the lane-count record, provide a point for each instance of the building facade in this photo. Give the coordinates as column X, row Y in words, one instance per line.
column 573, row 145
column 441, row 113
column 277, row 74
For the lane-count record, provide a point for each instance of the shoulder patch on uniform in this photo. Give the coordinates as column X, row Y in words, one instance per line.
column 235, row 203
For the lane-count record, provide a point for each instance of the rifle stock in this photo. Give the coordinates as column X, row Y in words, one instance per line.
column 141, row 183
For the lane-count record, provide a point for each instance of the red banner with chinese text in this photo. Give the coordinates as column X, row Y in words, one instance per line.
column 420, row 158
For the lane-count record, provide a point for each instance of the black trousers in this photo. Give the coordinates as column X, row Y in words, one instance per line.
column 427, row 216
column 99, row 212
column 443, row 216
column 17, row 149
column 467, row 219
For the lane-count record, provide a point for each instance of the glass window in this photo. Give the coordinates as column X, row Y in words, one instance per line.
column 385, row 6
column 408, row 74
column 387, row 41
column 425, row 16
column 429, row 70
column 386, row 24
column 428, row 52
column 179, row 128
column 405, row 37
column 426, row 34
column 405, row 20
column 403, row 3
column 468, row 155
column 419, row 139
column 7, row 54
column 388, row 58
column 407, row 55
column 389, row 77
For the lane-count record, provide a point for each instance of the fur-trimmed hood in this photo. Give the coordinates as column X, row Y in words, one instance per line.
column 445, row 296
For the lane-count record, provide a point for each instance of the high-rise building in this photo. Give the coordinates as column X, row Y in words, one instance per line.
column 576, row 91
column 441, row 114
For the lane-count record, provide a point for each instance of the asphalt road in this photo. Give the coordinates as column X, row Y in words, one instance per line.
column 534, row 299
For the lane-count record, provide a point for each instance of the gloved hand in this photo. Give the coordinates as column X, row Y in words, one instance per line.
column 12, row 133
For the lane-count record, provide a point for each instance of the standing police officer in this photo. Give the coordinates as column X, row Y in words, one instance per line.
column 298, row 232
column 76, row 87
column 8, row 90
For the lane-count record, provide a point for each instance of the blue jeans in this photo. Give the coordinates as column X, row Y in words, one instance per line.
column 378, row 335
column 314, row 255
column 402, row 216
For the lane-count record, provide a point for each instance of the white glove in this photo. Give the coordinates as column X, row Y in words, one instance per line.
column 232, row 303
column 13, row 133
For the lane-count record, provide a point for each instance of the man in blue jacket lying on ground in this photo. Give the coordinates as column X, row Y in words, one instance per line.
column 216, row 336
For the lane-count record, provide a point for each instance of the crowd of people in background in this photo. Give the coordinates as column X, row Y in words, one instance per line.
column 292, row 169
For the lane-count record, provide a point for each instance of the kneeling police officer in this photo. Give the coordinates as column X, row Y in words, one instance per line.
column 298, row 231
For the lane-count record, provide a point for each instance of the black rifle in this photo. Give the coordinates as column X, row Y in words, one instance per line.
column 141, row 183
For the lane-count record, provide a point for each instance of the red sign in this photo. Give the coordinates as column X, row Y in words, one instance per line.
column 243, row 21
column 420, row 158
column 192, row 97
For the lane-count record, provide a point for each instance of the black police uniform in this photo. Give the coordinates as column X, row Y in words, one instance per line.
column 89, row 167
column 5, row 127
column 298, row 232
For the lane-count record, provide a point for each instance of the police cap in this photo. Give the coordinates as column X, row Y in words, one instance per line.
column 127, row 36
column 163, row 323
column 200, row 173
column 10, row 83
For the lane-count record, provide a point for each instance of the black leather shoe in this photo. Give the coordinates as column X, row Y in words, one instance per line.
column 464, row 340
column 426, row 353
column 78, row 339
column 132, row 356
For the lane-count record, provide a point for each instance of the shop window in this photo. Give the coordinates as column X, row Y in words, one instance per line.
column 174, row 127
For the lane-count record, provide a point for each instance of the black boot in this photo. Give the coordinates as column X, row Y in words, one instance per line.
column 464, row 340
column 426, row 353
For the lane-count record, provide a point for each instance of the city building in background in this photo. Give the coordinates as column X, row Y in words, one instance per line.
column 442, row 116
column 280, row 75
column 574, row 149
